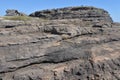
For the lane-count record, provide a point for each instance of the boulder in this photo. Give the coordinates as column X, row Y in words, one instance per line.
column 12, row 12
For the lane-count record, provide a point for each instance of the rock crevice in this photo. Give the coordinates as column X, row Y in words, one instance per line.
column 73, row 43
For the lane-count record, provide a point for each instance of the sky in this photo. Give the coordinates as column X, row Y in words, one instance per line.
column 30, row 6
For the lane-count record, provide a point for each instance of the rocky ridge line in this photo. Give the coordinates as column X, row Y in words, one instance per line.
column 84, row 13
column 61, row 49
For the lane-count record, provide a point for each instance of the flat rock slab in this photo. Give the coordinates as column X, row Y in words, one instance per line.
column 62, row 49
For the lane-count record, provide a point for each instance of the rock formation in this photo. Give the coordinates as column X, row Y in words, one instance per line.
column 61, row 49
column 12, row 12
column 83, row 13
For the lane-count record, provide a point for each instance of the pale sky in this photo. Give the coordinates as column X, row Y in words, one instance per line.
column 29, row 6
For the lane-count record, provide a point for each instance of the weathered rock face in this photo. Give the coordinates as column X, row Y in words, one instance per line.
column 83, row 13
column 12, row 12
column 65, row 49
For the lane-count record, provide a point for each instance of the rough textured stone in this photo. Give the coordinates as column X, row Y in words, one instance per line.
column 83, row 13
column 9, row 23
column 12, row 12
column 61, row 49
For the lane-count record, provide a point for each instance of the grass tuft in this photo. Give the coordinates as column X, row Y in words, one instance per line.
column 21, row 18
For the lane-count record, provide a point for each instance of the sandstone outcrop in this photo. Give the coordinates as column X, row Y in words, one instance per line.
column 83, row 13
column 60, row 49
column 12, row 12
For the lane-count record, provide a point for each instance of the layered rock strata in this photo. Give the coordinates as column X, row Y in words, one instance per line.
column 83, row 13
column 62, row 49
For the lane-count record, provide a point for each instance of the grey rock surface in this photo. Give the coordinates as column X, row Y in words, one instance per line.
column 84, row 13
column 12, row 12
column 61, row 49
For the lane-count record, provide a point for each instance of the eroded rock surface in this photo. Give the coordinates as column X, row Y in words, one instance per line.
column 83, row 13
column 12, row 12
column 60, row 49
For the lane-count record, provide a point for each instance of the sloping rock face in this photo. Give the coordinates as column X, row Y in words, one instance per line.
column 62, row 49
column 83, row 13
column 12, row 12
